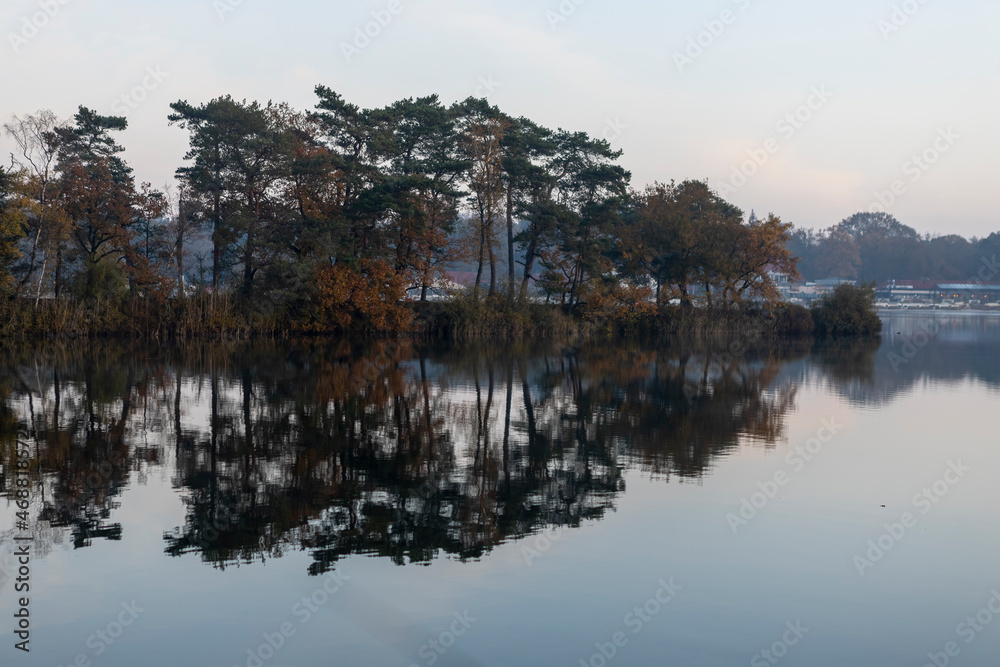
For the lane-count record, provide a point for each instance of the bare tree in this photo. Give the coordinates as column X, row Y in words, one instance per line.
column 186, row 219
column 38, row 149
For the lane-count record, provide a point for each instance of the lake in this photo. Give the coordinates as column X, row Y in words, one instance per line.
column 400, row 504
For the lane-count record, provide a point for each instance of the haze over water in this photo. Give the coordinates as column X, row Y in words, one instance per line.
column 689, row 504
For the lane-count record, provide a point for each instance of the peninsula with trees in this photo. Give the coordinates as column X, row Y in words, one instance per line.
column 418, row 216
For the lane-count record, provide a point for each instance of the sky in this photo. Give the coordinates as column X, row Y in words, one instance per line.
column 811, row 111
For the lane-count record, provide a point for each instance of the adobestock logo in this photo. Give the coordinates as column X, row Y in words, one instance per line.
column 968, row 630
column 700, row 43
column 779, row 649
column 436, row 648
column 796, row 459
column 132, row 99
column 565, row 10
column 635, row 621
column 786, row 127
column 915, row 168
column 34, row 24
column 901, row 15
column 365, row 35
column 224, row 7
column 924, row 502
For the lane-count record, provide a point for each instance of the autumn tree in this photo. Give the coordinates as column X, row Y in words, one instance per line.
column 364, row 297
column 13, row 227
column 684, row 236
column 677, row 235
column 102, row 203
column 747, row 256
column 313, row 195
column 483, row 129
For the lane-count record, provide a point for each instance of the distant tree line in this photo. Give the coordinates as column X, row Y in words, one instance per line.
column 875, row 247
column 326, row 219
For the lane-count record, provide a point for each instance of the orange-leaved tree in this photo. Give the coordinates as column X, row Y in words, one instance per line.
column 365, row 297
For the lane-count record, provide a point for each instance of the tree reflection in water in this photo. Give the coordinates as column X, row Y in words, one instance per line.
column 390, row 449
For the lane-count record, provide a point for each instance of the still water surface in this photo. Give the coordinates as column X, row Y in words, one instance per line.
column 401, row 505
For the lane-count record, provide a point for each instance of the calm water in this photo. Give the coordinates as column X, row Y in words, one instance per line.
column 398, row 505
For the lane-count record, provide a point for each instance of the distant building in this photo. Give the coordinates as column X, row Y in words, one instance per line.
column 929, row 292
column 829, row 284
column 781, row 280
column 906, row 291
column 968, row 292
column 810, row 291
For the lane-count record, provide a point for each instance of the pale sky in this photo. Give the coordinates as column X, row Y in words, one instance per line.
column 888, row 91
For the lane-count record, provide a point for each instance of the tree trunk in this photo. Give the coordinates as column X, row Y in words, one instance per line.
column 493, row 270
column 248, row 270
column 479, row 271
column 529, row 265
column 577, row 279
column 31, row 261
column 428, row 273
column 180, row 266
column 685, row 297
column 529, row 411
column 216, row 224
column 41, row 277
column 179, row 247
column 510, row 238
column 506, row 427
